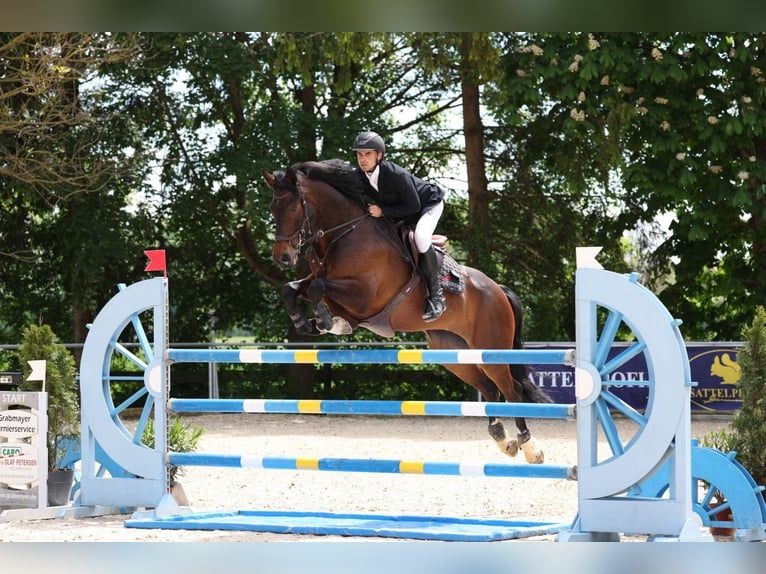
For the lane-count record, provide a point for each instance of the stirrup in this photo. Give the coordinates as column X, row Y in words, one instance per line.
column 434, row 309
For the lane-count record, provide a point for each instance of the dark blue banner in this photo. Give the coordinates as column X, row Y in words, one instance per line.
column 713, row 366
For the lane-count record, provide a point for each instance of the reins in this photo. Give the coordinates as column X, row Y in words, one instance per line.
column 305, row 234
column 351, row 224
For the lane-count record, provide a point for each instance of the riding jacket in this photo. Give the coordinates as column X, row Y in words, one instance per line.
column 400, row 194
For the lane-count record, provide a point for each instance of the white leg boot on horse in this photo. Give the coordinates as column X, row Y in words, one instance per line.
column 531, row 452
column 435, row 301
column 510, row 446
column 506, row 444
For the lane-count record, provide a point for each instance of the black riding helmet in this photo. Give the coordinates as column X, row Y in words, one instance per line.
column 369, row 141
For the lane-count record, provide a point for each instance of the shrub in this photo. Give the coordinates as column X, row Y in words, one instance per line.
column 40, row 343
column 749, row 424
column 182, row 437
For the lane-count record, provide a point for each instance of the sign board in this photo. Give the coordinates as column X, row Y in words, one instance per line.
column 713, row 366
column 22, row 448
column 10, row 379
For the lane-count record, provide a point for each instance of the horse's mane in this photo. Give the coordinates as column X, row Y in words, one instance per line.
column 337, row 174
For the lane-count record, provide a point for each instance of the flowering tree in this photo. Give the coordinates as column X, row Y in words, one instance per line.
column 664, row 124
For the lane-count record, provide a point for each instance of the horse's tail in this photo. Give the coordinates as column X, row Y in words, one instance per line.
column 530, row 392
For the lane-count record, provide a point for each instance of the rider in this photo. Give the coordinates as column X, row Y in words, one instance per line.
column 402, row 196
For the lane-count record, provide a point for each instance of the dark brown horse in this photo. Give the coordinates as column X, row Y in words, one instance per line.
column 363, row 275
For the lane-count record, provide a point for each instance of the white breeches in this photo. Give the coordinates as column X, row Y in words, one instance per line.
column 427, row 225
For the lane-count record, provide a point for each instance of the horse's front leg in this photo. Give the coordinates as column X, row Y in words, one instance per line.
column 325, row 321
column 290, row 293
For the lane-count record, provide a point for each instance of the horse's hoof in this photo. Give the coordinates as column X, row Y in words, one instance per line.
column 537, row 458
column 303, row 329
column 509, row 447
column 533, row 454
column 308, row 329
column 340, row 327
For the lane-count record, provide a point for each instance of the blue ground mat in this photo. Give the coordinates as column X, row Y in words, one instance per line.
column 325, row 523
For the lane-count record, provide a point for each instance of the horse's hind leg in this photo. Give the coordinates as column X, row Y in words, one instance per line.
column 529, row 392
column 528, row 445
column 515, row 390
column 473, row 376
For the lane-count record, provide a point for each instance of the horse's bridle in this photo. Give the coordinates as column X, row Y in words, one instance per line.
column 301, row 231
column 305, row 233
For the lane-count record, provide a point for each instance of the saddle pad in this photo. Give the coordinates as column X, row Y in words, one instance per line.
column 452, row 275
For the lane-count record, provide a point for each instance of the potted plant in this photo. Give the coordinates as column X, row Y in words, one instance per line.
column 182, row 437
column 40, row 343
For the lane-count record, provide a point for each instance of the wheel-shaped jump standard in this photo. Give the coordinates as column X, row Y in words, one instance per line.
column 725, row 495
column 105, row 434
column 609, row 305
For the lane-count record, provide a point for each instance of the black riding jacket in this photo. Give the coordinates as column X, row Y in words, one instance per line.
column 400, row 194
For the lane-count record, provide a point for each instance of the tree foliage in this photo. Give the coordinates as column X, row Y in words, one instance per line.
column 67, row 170
column 748, row 437
column 669, row 124
column 115, row 143
column 48, row 133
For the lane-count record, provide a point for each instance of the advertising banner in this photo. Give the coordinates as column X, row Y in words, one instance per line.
column 19, row 455
column 714, row 374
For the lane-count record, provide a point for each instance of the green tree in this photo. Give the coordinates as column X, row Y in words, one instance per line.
column 221, row 108
column 538, row 211
column 663, row 125
column 67, row 164
column 748, row 436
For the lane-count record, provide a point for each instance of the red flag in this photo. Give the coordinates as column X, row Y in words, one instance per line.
column 156, row 260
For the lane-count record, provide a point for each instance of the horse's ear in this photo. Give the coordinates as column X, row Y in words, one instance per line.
column 291, row 175
column 269, row 177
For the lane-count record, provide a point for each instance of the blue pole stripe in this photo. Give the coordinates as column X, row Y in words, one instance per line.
column 385, row 466
column 376, row 356
column 352, row 407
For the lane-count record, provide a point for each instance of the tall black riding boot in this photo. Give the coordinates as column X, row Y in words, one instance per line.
column 435, row 301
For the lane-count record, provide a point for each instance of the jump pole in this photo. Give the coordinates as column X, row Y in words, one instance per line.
column 605, row 508
column 350, row 407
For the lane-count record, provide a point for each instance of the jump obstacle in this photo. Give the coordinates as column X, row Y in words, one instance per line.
column 644, row 485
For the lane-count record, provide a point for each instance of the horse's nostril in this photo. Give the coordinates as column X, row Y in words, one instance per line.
column 285, row 260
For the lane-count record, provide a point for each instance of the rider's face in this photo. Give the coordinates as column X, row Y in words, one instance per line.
column 368, row 159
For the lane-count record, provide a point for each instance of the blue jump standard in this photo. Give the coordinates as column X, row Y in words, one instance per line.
column 364, row 525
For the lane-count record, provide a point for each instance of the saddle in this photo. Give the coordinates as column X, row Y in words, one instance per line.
column 452, row 278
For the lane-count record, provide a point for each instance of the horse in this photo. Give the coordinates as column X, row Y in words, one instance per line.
column 363, row 275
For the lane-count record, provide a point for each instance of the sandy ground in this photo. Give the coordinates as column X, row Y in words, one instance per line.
column 417, row 438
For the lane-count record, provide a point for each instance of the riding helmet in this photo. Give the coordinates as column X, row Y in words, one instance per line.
column 369, row 141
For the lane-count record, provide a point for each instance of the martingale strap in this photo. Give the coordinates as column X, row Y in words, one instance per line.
column 381, row 323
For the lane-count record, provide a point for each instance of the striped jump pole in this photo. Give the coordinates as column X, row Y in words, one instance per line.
column 377, row 356
column 356, row 407
column 385, row 466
